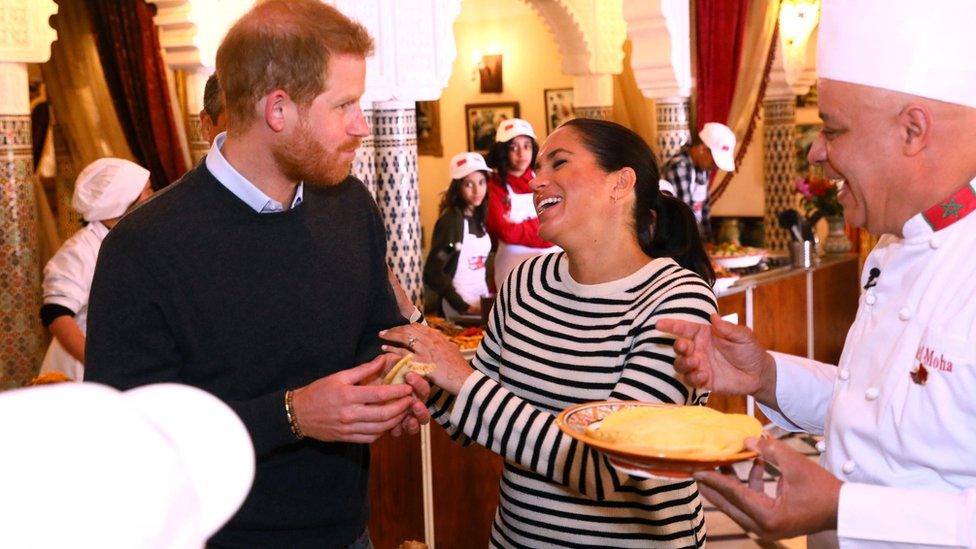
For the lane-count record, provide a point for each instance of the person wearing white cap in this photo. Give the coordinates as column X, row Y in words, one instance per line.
column 690, row 169
column 897, row 95
column 84, row 465
column 104, row 190
column 456, row 267
column 512, row 220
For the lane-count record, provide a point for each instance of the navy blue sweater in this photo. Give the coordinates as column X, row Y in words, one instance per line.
column 195, row 287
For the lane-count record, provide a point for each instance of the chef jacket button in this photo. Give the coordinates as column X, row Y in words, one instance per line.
column 821, row 446
column 848, row 467
column 934, row 242
column 870, row 298
column 905, row 314
column 872, row 393
column 844, row 374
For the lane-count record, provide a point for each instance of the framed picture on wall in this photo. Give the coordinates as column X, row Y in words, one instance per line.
column 482, row 119
column 559, row 107
column 429, row 128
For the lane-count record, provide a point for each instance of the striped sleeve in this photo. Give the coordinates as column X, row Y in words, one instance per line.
column 521, row 432
column 441, row 403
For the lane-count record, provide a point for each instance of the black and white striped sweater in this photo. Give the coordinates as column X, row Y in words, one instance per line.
column 552, row 343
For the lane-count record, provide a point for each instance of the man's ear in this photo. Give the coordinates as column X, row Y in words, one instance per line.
column 915, row 128
column 276, row 105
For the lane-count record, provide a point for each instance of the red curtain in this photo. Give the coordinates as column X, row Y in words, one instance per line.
column 128, row 48
column 720, row 27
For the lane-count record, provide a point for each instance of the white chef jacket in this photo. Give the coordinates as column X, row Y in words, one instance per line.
column 67, row 282
column 906, row 451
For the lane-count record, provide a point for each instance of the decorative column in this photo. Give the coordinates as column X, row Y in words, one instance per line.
column 69, row 220
column 593, row 96
column 779, row 166
column 673, row 115
column 397, row 192
column 27, row 39
column 196, row 80
column 364, row 166
column 660, row 35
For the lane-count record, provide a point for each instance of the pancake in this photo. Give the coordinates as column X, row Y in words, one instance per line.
column 677, row 430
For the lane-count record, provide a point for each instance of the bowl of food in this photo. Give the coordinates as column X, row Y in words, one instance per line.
column 735, row 256
column 654, row 440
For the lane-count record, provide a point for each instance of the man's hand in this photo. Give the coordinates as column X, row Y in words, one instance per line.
column 337, row 408
column 418, row 413
column 806, row 499
column 722, row 357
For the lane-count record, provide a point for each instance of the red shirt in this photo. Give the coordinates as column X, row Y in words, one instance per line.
column 499, row 226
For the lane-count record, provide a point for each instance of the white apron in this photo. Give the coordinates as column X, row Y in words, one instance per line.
column 67, row 282
column 470, row 281
column 890, row 437
column 509, row 256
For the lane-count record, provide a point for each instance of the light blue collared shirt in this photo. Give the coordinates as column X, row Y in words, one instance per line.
column 240, row 186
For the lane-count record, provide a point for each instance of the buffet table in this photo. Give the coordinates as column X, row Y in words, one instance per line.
column 800, row 311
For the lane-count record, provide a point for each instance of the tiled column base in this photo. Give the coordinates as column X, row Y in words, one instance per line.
column 364, row 166
column 598, row 112
column 673, row 130
column 69, row 220
column 21, row 340
column 779, row 166
column 397, row 192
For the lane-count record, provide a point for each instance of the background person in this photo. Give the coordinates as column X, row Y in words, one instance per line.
column 260, row 277
column 690, row 170
column 456, row 267
column 512, row 221
column 104, row 191
column 898, row 102
column 580, row 326
column 212, row 118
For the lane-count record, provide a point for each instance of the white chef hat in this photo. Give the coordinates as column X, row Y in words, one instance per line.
column 721, row 141
column 465, row 163
column 665, row 186
column 918, row 48
column 85, row 465
column 107, row 187
column 512, row 128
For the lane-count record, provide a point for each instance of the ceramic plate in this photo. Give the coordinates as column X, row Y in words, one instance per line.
column 647, row 464
column 738, row 261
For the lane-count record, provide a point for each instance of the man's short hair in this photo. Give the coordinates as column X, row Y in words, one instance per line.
column 211, row 98
column 283, row 44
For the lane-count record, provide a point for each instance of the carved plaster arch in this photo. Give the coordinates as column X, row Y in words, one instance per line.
column 660, row 35
column 415, row 46
column 589, row 33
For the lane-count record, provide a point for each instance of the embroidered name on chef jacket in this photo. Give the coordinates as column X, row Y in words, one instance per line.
column 932, row 359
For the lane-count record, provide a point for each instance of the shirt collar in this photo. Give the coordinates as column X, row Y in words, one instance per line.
column 240, row 186
column 943, row 214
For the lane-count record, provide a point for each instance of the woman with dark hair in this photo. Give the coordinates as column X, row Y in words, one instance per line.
column 456, row 265
column 512, row 219
column 580, row 326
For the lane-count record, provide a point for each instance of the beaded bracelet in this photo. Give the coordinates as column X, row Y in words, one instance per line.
column 292, row 418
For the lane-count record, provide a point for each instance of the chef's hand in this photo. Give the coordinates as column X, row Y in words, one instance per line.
column 806, row 499
column 429, row 345
column 722, row 357
column 404, row 304
column 339, row 408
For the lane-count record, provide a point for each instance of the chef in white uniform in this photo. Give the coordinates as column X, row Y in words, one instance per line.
column 898, row 99
column 104, row 190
